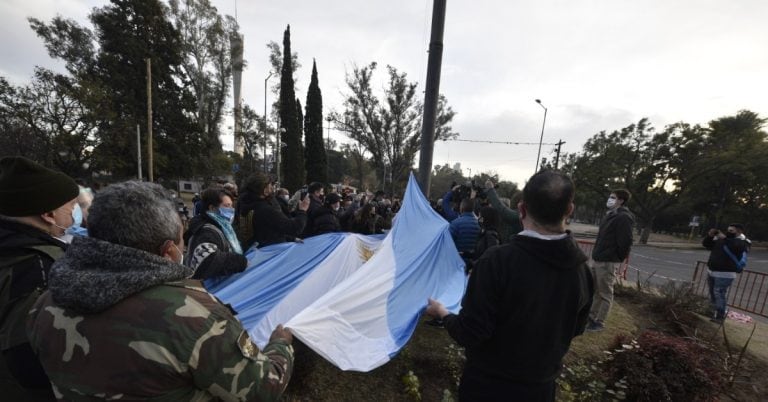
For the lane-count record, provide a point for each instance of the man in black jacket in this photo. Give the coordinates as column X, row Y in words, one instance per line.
column 325, row 219
column 524, row 303
column 315, row 194
column 268, row 223
column 37, row 205
column 727, row 258
column 614, row 240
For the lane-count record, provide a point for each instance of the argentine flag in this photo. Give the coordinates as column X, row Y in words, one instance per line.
column 353, row 299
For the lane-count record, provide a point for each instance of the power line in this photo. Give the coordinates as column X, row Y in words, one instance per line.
column 501, row 142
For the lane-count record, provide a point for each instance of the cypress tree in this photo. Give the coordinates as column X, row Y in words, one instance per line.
column 314, row 152
column 300, row 122
column 292, row 161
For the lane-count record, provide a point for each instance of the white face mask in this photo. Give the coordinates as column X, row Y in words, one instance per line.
column 284, row 197
column 610, row 203
column 181, row 262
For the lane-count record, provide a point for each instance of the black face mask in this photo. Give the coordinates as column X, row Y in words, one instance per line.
column 730, row 235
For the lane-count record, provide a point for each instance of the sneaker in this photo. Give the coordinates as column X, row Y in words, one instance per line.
column 595, row 326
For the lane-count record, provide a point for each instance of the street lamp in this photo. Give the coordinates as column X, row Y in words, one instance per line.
column 541, row 139
column 264, row 140
column 329, row 119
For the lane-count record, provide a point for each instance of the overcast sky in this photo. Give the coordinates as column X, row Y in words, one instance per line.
column 595, row 64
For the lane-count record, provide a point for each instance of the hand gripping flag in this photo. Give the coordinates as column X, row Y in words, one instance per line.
column 353, row 299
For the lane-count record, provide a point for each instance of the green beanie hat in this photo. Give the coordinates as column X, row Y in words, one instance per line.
column 28, row 188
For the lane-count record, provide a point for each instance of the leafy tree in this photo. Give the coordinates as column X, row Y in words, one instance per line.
column 339, row 168
column 17, row 137
column 657, row 168
column 314, row 151
column 360, row 166
column 734, row 155
column 389, row 129
column 276, row 61
column 252, row 130
column 442, row 178
column 60, row 115
column 205, row 39
column 113, row 60
column 292, row 154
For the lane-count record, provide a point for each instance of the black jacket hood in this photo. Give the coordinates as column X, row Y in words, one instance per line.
column 564, row 253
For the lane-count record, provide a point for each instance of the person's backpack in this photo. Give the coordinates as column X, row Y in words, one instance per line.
column 740, row 263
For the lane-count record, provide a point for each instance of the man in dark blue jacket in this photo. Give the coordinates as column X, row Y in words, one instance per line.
column 727, row 258
column 614, row 240
column 524, row 303
column 465, row 229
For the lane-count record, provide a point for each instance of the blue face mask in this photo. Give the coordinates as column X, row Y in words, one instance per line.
column 227, row 213
column 77, row 221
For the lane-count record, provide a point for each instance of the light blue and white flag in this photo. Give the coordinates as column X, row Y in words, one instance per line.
column 353, row 299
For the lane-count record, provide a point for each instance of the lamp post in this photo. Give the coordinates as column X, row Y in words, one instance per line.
column 541, row 138
column 264, row 140
column 328, row 136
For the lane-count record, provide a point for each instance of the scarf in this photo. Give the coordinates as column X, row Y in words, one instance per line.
column 228, row 230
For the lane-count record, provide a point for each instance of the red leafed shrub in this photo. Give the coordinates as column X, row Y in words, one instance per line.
column 661, row 367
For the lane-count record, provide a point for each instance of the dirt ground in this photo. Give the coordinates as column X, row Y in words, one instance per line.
column 430, row 355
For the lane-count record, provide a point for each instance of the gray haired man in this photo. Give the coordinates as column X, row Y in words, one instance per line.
column 122, row 321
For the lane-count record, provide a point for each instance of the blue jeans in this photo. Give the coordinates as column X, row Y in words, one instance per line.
column 718, row 293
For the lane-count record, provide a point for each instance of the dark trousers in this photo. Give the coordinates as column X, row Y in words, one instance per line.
column 476, row 387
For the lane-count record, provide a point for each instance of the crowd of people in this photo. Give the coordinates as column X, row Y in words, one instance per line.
column 102, row 294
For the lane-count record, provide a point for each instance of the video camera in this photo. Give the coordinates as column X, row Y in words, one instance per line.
column 465, row 190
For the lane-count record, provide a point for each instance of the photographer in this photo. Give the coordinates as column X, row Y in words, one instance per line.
column 510, row 218
column 452, row 199
column 727, row 258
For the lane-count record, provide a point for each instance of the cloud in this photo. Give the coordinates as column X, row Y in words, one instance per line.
column 597, row 65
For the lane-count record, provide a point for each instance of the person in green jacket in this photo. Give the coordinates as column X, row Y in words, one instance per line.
column 120, row 319
column 37, row 207
column 510, row 218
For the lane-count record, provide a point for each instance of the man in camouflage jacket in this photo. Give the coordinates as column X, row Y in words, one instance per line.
column 122, row 322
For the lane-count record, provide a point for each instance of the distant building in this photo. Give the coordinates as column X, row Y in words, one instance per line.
column 189, row 186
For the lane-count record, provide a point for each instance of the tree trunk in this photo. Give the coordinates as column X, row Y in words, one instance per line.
column 646, row 231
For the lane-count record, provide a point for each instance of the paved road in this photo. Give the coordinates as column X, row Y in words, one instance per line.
column 680, row 263
column 749, row 291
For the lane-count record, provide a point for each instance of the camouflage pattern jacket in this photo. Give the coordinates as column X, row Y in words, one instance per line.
column 120, row 323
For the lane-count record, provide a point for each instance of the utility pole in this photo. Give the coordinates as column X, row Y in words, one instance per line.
column 543, row 123
column 265, row 122
column 138, row 149
column 150, row 164
column 557, row 158
column 431, row 95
